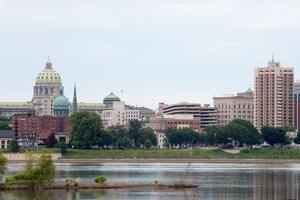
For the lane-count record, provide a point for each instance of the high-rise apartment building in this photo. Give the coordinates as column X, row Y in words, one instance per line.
column 273, row 96
column 232, row 107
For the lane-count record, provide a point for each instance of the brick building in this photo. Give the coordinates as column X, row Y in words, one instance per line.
column 31, row 129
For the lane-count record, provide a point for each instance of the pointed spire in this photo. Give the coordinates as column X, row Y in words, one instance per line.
column 75, row 108
column 273, row 58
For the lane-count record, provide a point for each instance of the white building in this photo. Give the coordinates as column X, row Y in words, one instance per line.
column 119, row 114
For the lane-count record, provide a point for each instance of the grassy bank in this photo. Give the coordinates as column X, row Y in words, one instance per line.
column 182, row 154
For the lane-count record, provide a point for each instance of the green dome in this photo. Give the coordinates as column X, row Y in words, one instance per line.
column 48, row 76
column 111, row 97
column 61, row 102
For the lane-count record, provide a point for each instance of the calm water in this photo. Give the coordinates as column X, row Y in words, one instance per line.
column 215, row 181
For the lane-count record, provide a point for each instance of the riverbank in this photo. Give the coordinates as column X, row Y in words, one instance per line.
column 88, row 186
column 172, row 155
column 182, row 154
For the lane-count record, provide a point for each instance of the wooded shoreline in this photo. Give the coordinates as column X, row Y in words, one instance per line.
column 84, row 186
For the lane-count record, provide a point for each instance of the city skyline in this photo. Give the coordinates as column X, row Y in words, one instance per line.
column 178, row 51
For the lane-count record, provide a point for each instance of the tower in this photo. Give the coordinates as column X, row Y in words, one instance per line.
column 273, row 95
column 61, row 105
column 75, row 108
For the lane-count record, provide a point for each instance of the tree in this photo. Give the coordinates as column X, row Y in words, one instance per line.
column 148, row 143
column 87, row 129
column 3, row 162
column 273, row 135
column 51, row 141
column 14, row 146
column 62, row 147
column 147, row 134
column 106, row 138
column 297, row 139
column 288, row 128
column 5, row 123
column 120, row 137
column 134, row 132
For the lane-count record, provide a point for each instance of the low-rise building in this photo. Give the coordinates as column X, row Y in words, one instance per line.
column 119, row 114
column 32, row 130
column 9, row 109
column 206, row 114
column 230, row 107
column 5, row 137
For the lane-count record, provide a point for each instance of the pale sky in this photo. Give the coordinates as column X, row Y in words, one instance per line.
column 154, row 50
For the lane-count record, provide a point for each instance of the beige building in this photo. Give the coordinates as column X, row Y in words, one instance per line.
column 119, row 114
column 273, row 95
column 232, row 107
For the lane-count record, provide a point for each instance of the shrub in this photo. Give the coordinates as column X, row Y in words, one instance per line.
column 100, row 179
column 14, row 146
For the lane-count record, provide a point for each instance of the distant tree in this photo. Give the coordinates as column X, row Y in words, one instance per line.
column 14, row 146
column 297, row 139
column 120, row 137
column 288, row 128
column 51, row 141
column 273, row 135
column 5, row 123
column 106, row 138
column 3, row 162
column 148, row 143
column 147, row 134
column 210, row 133
column 134, row 131
column 87, row 129
column 62, row 147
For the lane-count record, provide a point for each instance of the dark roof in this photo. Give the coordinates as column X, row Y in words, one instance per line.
column 6, row 134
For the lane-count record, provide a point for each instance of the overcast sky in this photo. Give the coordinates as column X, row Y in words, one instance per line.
column 152, row 50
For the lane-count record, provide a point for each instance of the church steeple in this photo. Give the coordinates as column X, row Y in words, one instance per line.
column 75, row 108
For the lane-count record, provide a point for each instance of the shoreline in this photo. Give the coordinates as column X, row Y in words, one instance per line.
column 217, row 161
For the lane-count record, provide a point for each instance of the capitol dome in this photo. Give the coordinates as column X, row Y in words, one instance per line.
column 48, row 76
column 109, row 99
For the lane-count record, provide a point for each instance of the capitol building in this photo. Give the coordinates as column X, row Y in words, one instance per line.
column 48, row 99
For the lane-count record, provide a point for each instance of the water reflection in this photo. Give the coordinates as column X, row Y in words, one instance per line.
column 215, row 181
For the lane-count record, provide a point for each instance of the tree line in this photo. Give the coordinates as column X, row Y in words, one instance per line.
column 88, row 131
column 238, row 133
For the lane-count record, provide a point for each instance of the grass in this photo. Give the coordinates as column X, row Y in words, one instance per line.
column 182, row 154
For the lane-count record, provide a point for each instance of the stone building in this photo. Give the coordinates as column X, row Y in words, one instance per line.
column 5, row 137
column 232, row 107
column 47, row 86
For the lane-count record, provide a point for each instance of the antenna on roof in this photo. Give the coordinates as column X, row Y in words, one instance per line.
column 272, row 57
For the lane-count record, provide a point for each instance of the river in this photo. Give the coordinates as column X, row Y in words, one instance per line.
column 215, row 181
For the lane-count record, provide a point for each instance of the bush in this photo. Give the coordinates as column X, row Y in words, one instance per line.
column 14, row 146
column 100, row 179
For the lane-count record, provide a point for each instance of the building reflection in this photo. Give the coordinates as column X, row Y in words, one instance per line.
column 276, row 185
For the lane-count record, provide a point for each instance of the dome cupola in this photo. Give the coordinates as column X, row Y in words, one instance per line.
column 61, row 105
column 109, row 99
column 48, row 75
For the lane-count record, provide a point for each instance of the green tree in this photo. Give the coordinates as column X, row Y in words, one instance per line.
column 148, row 134
column 273, row 135
column 120, row 137
column 87, row 129
column 148, row 143
column 297, row 139
column 62, row 147
column 14, row 146
column 5, row 123
column 3, row 162
column 134, row 131
column 288, row 128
